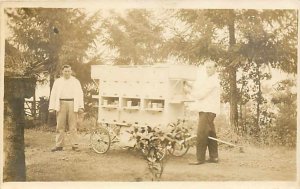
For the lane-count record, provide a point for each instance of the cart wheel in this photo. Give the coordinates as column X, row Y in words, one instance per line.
column 179, row 149
column 100, row 140
column 155, row 164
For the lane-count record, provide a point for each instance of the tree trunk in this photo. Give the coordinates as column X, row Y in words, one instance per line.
column 241, row 116
column 232, row 75
column 15, row 90
column 43, row 111
column 233, row 101
column 258, row 99
column 241, row 119
column 14, row 155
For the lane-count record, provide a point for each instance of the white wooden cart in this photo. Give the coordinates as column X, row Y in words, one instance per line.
column 140, row 95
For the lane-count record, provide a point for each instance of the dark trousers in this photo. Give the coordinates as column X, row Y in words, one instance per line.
column 206, row 128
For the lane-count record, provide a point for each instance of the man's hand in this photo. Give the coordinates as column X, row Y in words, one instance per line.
column 51, row 111
column 80, row 110
column 188, row 84
column 187, row 87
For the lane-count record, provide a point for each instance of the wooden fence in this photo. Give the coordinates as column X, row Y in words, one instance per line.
column 37, row 110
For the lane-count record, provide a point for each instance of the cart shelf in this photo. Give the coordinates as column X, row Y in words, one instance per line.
column 178, row 101
column 154, row 109
column 132, row 108
column 110, row 107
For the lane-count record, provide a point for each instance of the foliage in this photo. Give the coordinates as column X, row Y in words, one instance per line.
column 90, row 103
column 285, row 125
column 244, row 42
column 46, row 38
column 151, row 143
column 239, row 40
column 135, row 37
column 278, row 117
column 13, row 57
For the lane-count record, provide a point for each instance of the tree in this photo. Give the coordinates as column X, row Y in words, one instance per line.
column 15, row 90
column 134, row 36
column 202, row 41
column 235, row 38
column 52, row 37
column 285, row 100
column 40, row 41
column 272, row 43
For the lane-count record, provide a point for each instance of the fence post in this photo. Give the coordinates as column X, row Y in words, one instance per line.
column 33, row 106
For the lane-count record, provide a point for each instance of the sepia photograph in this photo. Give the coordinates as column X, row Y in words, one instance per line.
column 174, row 95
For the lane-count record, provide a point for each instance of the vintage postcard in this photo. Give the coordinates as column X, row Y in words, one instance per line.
column 149, row 94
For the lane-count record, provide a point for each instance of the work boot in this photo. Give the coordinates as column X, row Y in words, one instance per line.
column 196, row 163
column 75, row 148
column 56, row 149
column 213, row 160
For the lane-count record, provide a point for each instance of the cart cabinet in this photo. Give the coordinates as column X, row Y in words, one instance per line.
column 143, row 95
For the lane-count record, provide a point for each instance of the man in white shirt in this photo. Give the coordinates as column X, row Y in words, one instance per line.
column 67, row 100
column 206, row 95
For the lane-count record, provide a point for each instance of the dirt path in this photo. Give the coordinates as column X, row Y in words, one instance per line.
column 256, row 164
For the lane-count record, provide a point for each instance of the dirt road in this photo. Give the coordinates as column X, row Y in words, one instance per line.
column 256, row 164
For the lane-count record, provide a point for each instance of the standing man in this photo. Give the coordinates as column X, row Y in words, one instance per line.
column 67, row 100
column 206, row 93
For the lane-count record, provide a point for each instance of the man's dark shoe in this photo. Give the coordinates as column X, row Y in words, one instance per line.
column 213, row 160
column 196, row 163
column 56, row 149
column 76, row 149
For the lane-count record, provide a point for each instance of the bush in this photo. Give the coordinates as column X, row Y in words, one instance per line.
column 278, row 119
column 90, row 103
column 285, row 124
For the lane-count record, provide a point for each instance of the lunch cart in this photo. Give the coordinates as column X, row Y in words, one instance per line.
column 139, row 96
column 136, row 97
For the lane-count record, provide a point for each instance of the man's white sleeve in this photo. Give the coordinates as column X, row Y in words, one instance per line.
column 205, row 91
column 53, row 95
column 80, row 96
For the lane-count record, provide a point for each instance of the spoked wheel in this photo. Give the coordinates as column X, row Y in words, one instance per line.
column 155, row 163
column 179, row 149
column 100, row 140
